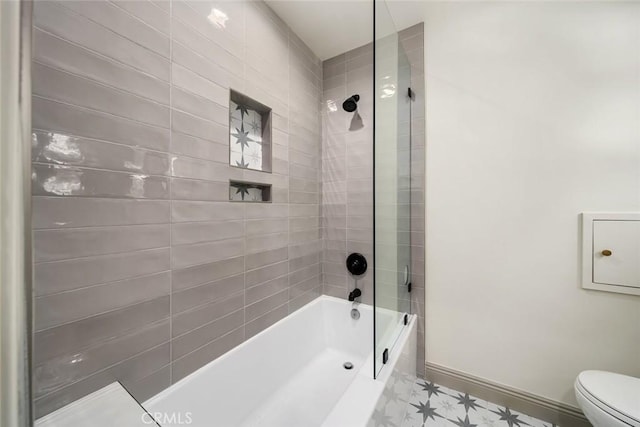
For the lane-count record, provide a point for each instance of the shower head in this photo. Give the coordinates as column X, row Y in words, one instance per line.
column 351, row 104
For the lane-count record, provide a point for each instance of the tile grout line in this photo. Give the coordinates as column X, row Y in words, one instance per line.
column 110, row 30
column 169, row 186
column 103, row 56
column 244, row 210
column 289, row 173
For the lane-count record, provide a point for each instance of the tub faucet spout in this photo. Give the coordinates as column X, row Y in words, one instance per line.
column 354, row 294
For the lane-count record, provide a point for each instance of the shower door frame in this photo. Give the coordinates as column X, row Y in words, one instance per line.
column 15, row 215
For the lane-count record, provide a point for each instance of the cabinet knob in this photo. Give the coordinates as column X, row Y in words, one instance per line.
column 606, row 252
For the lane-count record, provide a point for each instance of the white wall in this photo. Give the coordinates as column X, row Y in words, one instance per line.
column 533, row 116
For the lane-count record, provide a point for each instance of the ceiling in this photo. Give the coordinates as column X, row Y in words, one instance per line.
column 332, row 27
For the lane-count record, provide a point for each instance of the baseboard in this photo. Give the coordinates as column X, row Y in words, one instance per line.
column 542, row 408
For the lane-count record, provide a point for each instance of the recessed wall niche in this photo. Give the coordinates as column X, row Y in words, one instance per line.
column 249, row 133
column 240, row 191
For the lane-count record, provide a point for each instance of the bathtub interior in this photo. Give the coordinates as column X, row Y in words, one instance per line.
column 289, row 374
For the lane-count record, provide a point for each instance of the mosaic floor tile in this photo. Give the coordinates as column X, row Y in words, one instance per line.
column 433, row 405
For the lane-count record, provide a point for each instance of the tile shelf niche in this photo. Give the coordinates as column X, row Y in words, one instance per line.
column 249, row 133
column 249, row 146
column 240, row 191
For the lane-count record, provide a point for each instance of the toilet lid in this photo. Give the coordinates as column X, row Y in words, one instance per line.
column 621, row 393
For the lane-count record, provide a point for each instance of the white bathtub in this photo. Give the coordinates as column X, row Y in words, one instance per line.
column 292, row 375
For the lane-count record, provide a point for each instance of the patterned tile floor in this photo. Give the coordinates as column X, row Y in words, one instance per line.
column 433, row 405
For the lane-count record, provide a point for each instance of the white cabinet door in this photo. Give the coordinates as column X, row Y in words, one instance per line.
column 616, row 253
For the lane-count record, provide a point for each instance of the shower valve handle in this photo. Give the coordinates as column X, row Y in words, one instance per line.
column 356, row 264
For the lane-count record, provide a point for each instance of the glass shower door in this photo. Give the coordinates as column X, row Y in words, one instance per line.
column 392, row 172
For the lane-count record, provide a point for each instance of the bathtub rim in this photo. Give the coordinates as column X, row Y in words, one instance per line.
column 366, row 392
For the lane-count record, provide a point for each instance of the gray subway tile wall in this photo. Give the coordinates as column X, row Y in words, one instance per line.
column 144, row 270
column 347, row 174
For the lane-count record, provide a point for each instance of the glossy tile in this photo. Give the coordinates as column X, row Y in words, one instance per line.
column 304, row 210
column 201, row 253
column 203, row 315
column 148, row 12
column 204, row 273
column 300, row 261
column 165, row 5
column 61, row 86
column 191, row 146
column 265, row 305
column 263, row 274
column 188, row 167
column 193, row 189
column 205, row 231
column 266, row 226
column 257, row 211
column 133, row 227
column 63, row 55
column 197, row 127
column 202, row 65
column 306, row 248
column 234, row 25
column 304, row 273
column 62, row 149
column 54, row 180
column 118, row 20
column 53, row 245
column 199, row 106
column 229, row 37
column 205, row 354
column 266, row 242
column 92, row 360
column 54, row 18
column 264, row 35
column 128, row 371
column 196, row 326
column 186, row 211
column 298, row 289
column 70, row 212
column 259, row 259
column 192, row 82
column 64, row 307
column 206, row 293
column 187, row 36
column 58, row 276
column 70, row 120
column 300, row 301
column 205, row 333
column 150, row 385
column 263, row 322
column 86, row 333
column 266, row 289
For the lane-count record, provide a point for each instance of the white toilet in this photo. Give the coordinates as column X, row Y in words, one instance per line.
column 608, row 399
